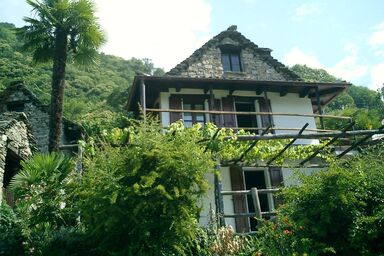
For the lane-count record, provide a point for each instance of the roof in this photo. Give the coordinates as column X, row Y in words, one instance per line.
column 71, row 129
column 244, row 42
column 154, row 85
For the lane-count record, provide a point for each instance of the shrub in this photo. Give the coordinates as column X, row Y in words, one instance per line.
column 11, row 238
column 141, row 198
column 342, row 207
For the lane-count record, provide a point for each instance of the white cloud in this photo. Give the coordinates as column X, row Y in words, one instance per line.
column 377, row 76
column 306, row 9
column 348, row 68
column 296, row 56
column 377, row 37
column 166, row 31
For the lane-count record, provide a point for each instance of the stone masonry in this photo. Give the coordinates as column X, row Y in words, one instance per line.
column 14, row 137
column 257, row 63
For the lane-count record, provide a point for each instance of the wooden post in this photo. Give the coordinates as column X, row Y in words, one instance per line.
column 211, row 103
column 142, row 97
column 219, row 198
column 79, row 161
column 256, row 204
column 269, row 108
column 319, row 107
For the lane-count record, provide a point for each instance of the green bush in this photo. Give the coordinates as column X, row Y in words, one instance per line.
column 339, row 210
column 141, row 198
column 11, row 238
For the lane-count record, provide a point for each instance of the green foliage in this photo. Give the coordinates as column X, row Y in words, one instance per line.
column 313, row 75
column 11, row 238
column 364, row 105
column 44, row 204
column 341, row 208
column 88, row 92
column 130, row 196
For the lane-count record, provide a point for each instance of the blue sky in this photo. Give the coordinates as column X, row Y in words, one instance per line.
column 344, row 37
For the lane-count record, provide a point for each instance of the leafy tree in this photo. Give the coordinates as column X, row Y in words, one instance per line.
column 62, row 28
column 336, row 211
column 142, row 198
column 43, row 204
column 11, row 238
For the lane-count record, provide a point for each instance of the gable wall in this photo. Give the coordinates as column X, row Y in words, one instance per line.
column 38, row 120
column 209, row 66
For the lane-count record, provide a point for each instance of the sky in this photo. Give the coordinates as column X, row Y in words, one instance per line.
column 344, row 37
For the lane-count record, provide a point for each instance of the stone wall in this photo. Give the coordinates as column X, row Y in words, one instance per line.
column 14, row 137
column 253, row 65
column 38, row 118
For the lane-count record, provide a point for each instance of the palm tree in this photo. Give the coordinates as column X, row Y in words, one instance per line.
column 61, row 30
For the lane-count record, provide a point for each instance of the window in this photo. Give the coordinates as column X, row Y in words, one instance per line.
column 244, row 121
column 193, row 118
column 231, row 61
column 260, row 180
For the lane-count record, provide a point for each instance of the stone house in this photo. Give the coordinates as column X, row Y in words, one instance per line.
column 230, row 74
column 24, row 129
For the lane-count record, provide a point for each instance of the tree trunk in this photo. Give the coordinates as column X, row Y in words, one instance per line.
column 57, row 93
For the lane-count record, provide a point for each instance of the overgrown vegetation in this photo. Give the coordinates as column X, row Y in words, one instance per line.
column 142, row 184
column 364, row 105
column 92, row 93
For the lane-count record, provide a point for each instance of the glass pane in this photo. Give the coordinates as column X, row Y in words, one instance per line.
column 235, row 61
column 225, row 61
column 200, row 118
column 187, row 106
column 199, row 107
column 187, row 124
column 187, row 117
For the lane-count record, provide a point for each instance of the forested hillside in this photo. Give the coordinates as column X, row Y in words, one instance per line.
column 98, row 91
column 364, row 105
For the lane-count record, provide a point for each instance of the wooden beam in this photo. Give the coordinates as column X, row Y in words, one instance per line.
column 316, row 135
column 319, row 107
column 252, row 146
column 244, row 113
column 305, row 92
column 259, row 90
column 324, row 92
column 143, row 97
column 288, row 145
column 357, row 143
column 231, row 91
column 317, row 151
column 283, row 92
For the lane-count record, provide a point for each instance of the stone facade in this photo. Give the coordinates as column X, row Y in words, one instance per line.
column 257, row 63
column 17, row 98
column 14, row 138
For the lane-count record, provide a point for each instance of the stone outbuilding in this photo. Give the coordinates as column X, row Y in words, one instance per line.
column 16, row 144
column 24, row 129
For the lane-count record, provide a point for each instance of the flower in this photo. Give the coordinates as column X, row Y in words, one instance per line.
column 287, row 232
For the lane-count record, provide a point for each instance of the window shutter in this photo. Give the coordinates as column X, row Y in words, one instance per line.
column 217, row 118
column 229, row 120
column 175, row 103
column 239, row 201
column 265, row 106
column 276, row 175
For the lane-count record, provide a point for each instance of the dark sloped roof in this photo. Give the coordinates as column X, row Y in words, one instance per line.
column 72, row 129
column 19, row 86
column 244, row 42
